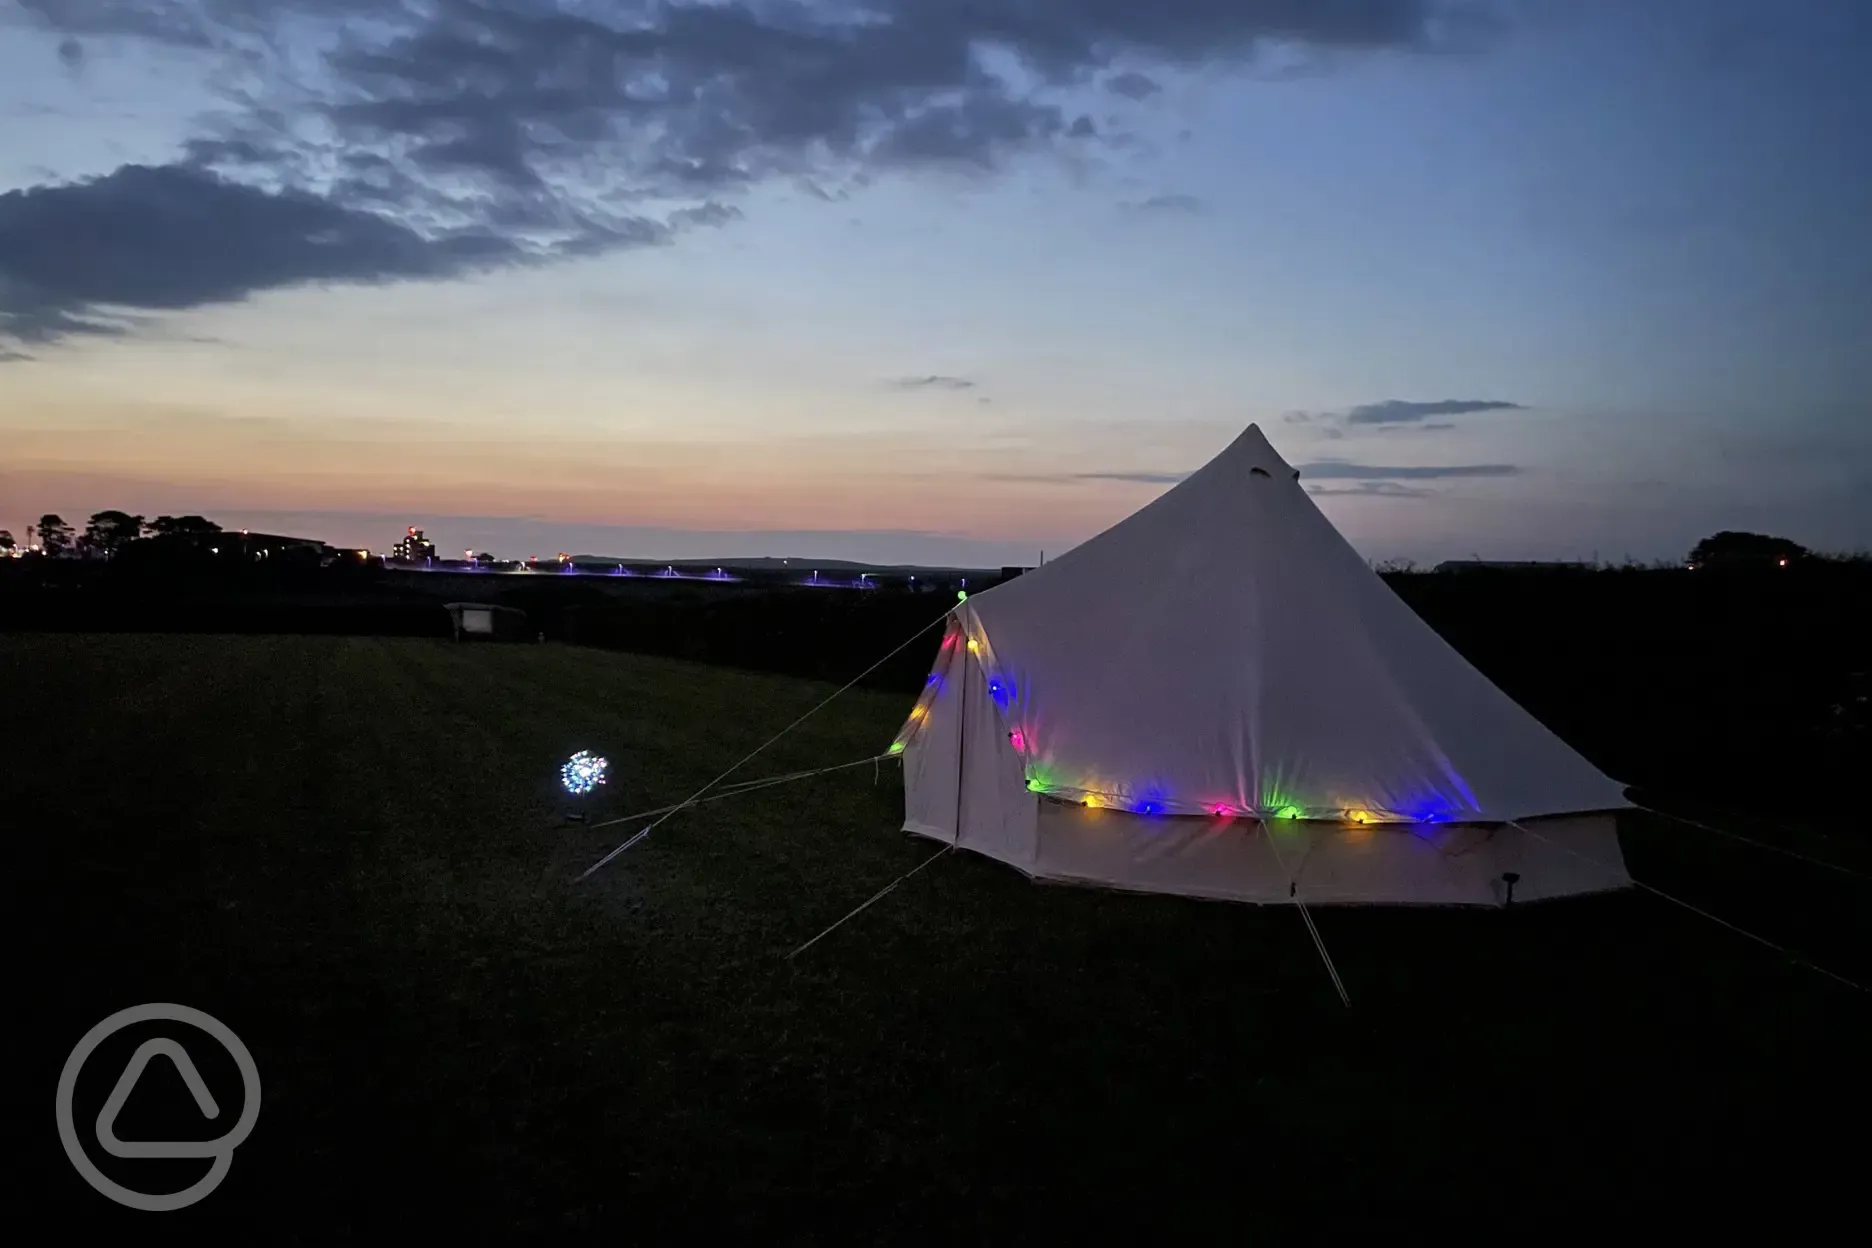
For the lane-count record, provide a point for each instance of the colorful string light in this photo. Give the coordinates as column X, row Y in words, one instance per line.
column 583, row 772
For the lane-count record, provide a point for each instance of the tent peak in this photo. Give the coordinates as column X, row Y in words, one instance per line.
column 1251, row 452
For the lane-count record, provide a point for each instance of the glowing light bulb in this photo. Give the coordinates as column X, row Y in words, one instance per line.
column 972, row 647
column 916, row 712
column 1092, row 801
column 897, row 747
column 1359, row 816
column 1018, row 738
column 1287, row 812
column 962, row 595
column 1222, row 810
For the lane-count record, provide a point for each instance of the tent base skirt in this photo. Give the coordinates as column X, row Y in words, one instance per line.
column 1317, row 863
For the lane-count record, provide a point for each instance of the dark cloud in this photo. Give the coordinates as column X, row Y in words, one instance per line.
column 1403, row 411
column 1343, row 470
column 1133, row 85
column 934, row 381
column 71, row 53
column 175, row 238
column 434, row 128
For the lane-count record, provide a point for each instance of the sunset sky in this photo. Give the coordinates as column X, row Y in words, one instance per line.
column 927, row 280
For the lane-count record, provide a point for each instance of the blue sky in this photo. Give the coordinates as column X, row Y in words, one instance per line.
column 1521, row 278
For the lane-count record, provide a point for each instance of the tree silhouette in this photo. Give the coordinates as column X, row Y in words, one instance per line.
column 1730, row 548
column 6, row 540
column 110, row 531
column 55, row 536
column 183, row 526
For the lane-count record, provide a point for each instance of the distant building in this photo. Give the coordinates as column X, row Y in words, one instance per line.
column 413, row 547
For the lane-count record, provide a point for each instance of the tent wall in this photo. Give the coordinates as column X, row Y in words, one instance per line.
column 999, row 815
column 1324, row 863
column 932, row 759
column 959, row 751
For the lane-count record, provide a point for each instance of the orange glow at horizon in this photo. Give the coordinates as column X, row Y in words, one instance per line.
column 170, row 460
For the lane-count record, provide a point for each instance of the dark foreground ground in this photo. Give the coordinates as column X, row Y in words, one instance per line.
column 350, row 851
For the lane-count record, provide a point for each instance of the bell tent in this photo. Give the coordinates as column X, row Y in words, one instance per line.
column 1216, row 697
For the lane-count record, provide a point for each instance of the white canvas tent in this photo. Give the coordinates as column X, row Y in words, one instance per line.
column 1216, row 697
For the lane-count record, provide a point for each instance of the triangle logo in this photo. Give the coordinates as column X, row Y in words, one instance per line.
column 126, row 1082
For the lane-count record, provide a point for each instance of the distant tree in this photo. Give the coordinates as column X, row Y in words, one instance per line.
column 6, row 540
column 484, row 557
column 110, row 531
column 1729, row 547
column 55, row 536
column 183, row 526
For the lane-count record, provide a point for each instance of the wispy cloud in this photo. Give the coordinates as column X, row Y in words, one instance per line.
column 1373, row 478
column 1184, row 204
column 1141, row 478
column 1345, row 470
column 1369, row 489
column 1405, row 411
column 933, row 381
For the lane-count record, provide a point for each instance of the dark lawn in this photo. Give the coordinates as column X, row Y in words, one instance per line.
column 350, row 851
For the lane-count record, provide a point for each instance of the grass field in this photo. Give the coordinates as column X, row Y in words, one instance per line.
column 352, row 852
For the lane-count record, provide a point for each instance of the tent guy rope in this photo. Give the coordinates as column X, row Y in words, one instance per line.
column 1783, row 950
column 867, row 904
column 744, row 786
column 757, row 750
column 1319, row 942
column 1749, row 840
